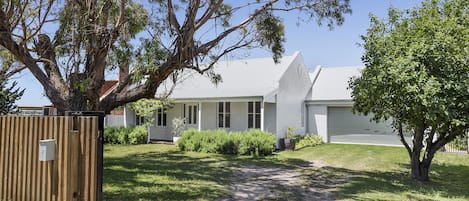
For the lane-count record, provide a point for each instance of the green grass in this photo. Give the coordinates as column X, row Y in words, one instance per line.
column 161, row 172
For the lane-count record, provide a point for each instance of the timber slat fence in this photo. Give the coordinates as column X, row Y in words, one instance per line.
column 71, row 176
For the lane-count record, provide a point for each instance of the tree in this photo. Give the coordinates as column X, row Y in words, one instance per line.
column 69, row 46
column 417, row 74
column 147, row 108
column 8, row 97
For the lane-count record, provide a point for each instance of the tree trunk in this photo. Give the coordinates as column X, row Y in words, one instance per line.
column 420, row 170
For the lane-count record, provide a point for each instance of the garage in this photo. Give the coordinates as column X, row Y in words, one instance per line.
column 345, row 127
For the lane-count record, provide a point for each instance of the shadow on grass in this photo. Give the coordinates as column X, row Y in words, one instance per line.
column 175, row 175
column 163, row 176
column 448, row 181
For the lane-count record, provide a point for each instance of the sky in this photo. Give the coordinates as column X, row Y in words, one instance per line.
column 319, row 45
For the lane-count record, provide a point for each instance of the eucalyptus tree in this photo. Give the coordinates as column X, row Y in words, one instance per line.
column 417, row 74
column 70, row 46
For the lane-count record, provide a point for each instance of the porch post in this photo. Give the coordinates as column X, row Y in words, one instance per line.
column 262, row 115
column 200, row 116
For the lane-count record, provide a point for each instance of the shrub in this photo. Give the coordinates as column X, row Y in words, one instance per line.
column 309, row 140
column 253, row 142
column 138, row 135
column 459, row 143
column 122, row 135
column 178, row 126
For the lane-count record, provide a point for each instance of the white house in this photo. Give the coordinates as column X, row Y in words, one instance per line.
column 257, row 93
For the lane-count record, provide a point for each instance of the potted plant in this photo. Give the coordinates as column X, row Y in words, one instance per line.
column 179, row 127
column 290, row 141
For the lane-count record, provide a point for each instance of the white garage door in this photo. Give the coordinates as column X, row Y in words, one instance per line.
column 346, row 127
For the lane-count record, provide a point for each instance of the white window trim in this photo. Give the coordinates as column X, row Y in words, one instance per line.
column 254, row 113
column 224, row 114
column 159, row 122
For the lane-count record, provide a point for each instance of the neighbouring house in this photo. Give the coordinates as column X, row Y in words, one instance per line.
column 259, row 94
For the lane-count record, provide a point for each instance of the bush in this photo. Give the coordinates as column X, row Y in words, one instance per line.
column 253, row 142
column 122, row 135
column 459, row 143
column 138, row 135
column 308, row 140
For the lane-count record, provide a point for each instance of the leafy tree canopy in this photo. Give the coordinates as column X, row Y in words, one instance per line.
column 417, row 73
column 70, row 46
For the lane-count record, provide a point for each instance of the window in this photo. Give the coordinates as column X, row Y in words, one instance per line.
column 254, row 114
column 224, row 114
column 161, row 117
column 139, row 120
column 190, row 114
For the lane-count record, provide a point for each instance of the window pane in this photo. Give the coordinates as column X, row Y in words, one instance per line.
column 190, row 114
column 227, row 107
column 195, row 114
column 250, row 110
column 164, row 119
column 220, row 120
column 220, row 107
column 184, row 111
column 250, row 121
column 227, row 120
column 258, row 107
column 258, row 121
column 159, row 119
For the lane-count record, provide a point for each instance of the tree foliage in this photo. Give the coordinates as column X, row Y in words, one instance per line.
column 417, row 74
column 8, row 97
column 147, row 108
column 70, row 46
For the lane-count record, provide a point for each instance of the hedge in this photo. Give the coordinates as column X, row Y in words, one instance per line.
column 252, row 142
column 122, row 135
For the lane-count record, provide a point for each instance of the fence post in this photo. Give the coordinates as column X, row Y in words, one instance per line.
column 99, row 157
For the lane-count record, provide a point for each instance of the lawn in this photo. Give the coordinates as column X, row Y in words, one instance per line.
column 162, row 172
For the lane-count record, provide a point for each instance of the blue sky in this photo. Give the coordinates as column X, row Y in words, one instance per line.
column 319, row 45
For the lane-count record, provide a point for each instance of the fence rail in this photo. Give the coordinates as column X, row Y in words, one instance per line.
column 71, row 176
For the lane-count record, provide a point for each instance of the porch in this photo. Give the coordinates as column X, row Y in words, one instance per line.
column 229, row 114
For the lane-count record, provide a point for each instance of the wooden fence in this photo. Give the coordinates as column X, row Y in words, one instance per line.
column 71, row 176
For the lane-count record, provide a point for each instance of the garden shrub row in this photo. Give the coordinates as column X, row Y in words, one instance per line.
column 122, row 135
column 308, row 140
column 252, row 142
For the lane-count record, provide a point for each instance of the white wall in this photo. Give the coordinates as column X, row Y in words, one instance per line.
column 293, row 88
column 270, row 116
column 209, row 116
column 129, row 117
column 239, row 116
column 317, row 121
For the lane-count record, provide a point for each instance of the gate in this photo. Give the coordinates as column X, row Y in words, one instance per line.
column 74, row 174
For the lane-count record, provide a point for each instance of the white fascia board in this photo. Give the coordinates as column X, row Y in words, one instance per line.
column 345, row 102
column 109, row 91
column 219, row 99
column 271, row 97
column 315, row 75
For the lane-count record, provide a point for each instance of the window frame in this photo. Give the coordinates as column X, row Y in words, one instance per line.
column 224, row 111
column 254, row 114
column 162, row 117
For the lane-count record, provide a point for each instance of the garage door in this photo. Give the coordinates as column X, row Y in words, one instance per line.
column 346, row 127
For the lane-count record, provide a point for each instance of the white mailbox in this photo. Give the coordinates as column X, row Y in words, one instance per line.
column 47, row 150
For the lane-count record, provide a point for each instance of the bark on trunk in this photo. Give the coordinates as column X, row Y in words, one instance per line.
column 420, row 170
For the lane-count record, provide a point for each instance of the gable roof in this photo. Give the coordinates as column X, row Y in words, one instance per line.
column 107, row 87
column 331, row 83
column 240, row 78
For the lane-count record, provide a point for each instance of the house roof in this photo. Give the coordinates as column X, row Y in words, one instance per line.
column 240, row 78
column 331, row 83
column 107, row 87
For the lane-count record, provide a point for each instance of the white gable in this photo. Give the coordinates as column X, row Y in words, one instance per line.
column 241, row 78
column 332, row 83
